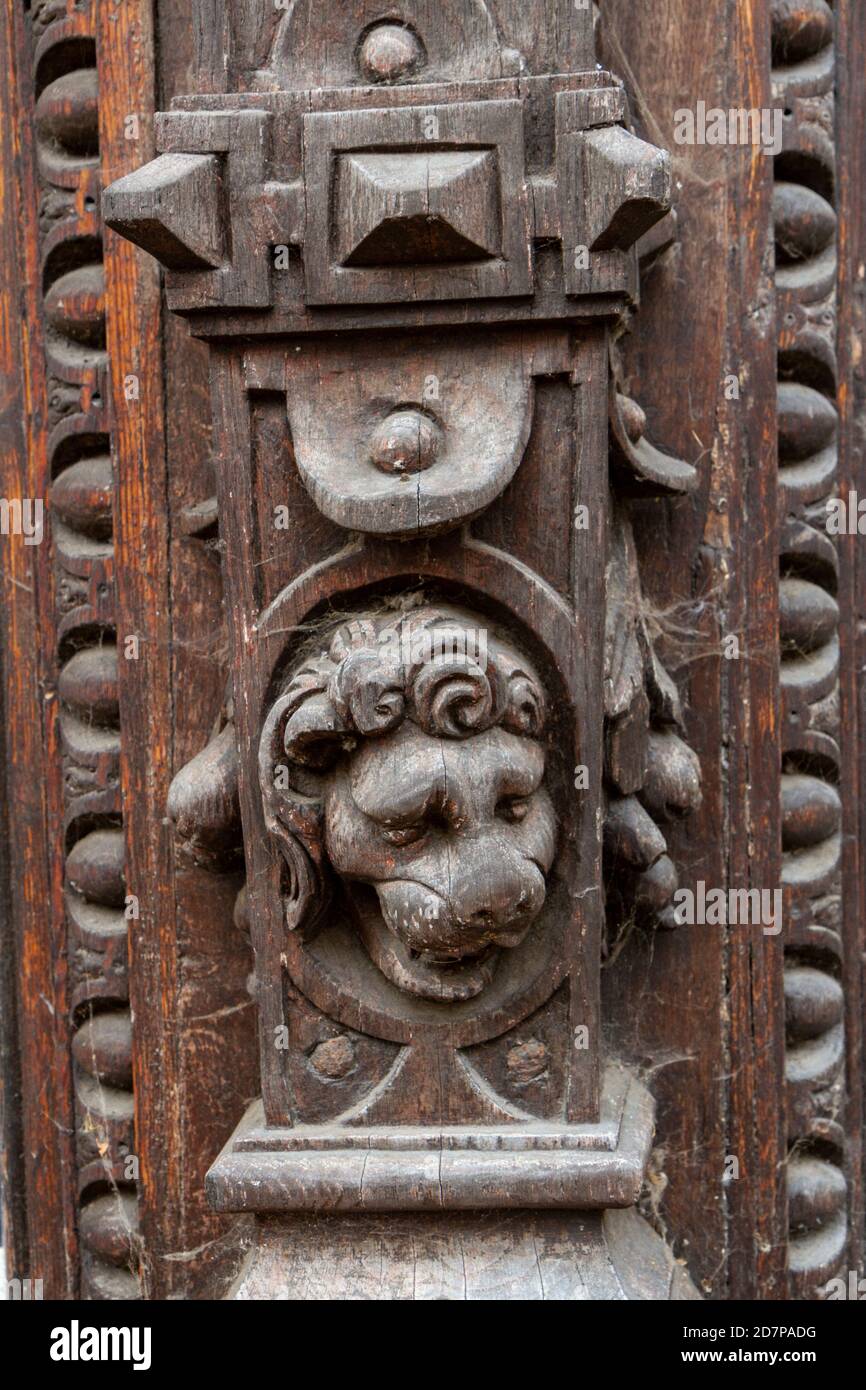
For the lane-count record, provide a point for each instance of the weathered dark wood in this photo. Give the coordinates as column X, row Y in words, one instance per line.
column 459, row 374
column 721, row 583
column 246, row 45
column 399, row 197
column 13, row 1166
column 459, row 847
column 54, row 407
column 757, row 1200
column 124, row 54
column 478, row 1257
column 189, row 964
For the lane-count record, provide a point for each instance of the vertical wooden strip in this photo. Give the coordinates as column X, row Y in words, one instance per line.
column 756, row 1199
column 125, row 58
column 68, row 443
column 588, row 562
column 13, row 1171
column 664, row 991
column 234, row 439
column 33, row 772
column 851, row 207
column 194, row 1033
column 210, row 22
column 703, row 1005
column 215, row 1014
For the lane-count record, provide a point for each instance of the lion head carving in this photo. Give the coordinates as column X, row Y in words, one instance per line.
column 404, row 756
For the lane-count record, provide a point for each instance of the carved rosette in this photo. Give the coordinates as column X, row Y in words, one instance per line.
column 89, row 826
column 446, row 684
column 806, row 263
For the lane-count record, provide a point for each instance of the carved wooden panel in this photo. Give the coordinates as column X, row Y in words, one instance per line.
column 194, row 1063
column 434, row 714
column 438, row 584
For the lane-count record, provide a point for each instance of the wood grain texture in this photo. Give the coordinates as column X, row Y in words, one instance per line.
column 125, row 59
column 718, row 1059
column 249, row 44
column 33, row 757
column 757, row 1201
column 194, row 1052
column 321, row 499
column 13, row 1170
column 297, row 167
column 471, row 1257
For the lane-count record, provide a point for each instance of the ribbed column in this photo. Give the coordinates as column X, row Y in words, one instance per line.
column 90, row 837
column 805, row 226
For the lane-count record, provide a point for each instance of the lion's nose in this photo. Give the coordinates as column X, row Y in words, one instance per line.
column 505, row 902
column 482, row 921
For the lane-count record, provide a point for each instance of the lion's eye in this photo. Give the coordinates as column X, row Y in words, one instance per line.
column 513, row 808
column 406, row 835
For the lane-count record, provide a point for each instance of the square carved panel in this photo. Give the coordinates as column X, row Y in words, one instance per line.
column 425, row 203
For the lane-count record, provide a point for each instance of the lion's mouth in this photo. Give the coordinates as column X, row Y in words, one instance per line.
column 435, row 975
column 445, row 961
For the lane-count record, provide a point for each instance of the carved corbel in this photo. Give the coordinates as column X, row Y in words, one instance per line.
column 203, row 802
column 639, row 469
column 171, row 208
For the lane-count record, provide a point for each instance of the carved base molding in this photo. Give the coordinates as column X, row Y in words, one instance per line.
column 523, row 1256
column 451, row 1232
column 348, row 1168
